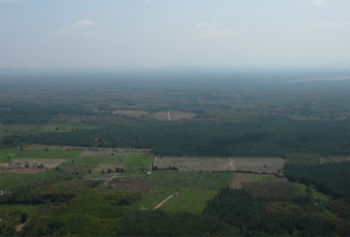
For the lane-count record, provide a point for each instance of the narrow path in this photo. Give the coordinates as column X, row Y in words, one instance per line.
column 155, row 160
column 169, row 116
column 164, row 201
column 231, row 164
column 151, row 167
column 112, row 178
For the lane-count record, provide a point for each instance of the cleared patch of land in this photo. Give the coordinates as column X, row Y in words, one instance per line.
column 173, row 115
column 190, row 200
column 256, row 165
column 277, row 190
column 243, row 178
column 110, row 152
column 315, row 159
column 161, row 115
column 271, row 187
column 194, row 190
column 130, row 113
column 73, row 148
column 4, row 165
column 130, row 184
column 334, row 159
column 30, row 166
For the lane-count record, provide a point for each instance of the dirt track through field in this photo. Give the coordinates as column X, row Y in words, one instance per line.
column 169, row 116
column 111, row 179
column 164, row 201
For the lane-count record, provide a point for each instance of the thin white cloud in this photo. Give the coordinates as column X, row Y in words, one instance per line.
column 8, row 0
column 84, row 23
column 84, row 27
column 215, row 30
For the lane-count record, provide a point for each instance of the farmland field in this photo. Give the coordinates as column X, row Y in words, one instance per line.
column 241, row 178
column 248, row 164
column 30, row 166
column 174, row 154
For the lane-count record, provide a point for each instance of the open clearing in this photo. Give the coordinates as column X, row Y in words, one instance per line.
column 194, row 190
column 30, row 166
column 270, row 187
column 277, row 190
column 161, row 115
column 190, row 200
column 243, row 178
column 334, row 159
column 173, row 115
column 111, row 152
column 130, row 184
column 130, row 113
column 256, row 165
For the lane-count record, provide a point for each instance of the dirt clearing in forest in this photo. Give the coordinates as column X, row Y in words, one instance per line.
column 173, row 115
column 130, row 113
column 256, row 165
column 30, row 166
column 242, row 178
column 100, row 152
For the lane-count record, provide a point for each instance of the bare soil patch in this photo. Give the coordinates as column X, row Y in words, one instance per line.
column 267, row 186
column 130, row 113
column 23, row 171
column 110, row 152
column 334, row 159
column 162, row 115
column 243, row 178
column 256, row 165
column 73, row 148
column 130, row 184
column 173, row 115
column 30, row 166
column 4, row 165
column 277, row 190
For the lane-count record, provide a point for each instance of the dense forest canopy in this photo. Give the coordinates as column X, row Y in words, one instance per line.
column 267, row 114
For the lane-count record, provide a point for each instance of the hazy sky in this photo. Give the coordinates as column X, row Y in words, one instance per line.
column 107, row 33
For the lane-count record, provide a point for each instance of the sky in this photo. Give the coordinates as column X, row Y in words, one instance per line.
column 161, row 33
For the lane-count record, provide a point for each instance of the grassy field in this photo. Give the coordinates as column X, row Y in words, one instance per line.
column 9, row 181
column 194, row 190
column 74, row 198
column 191, row 200
column 48, row 154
